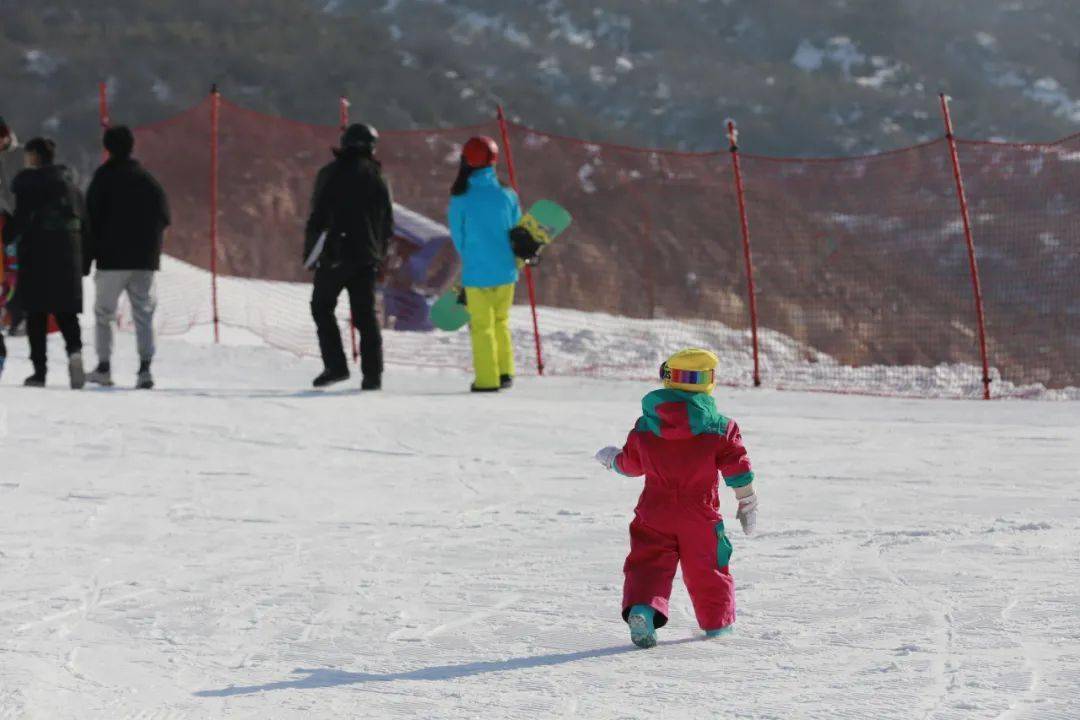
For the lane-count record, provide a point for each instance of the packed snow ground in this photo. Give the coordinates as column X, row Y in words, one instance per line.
column 234, row 545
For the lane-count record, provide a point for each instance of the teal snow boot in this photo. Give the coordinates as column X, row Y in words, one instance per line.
column 719, row 632
column 642, row 630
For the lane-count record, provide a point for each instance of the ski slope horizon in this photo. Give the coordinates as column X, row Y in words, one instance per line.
column 233, row 544
column 574, row 342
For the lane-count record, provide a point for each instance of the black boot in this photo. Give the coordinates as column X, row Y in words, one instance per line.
column 506, row 382
column 145, row 379
column 37, row 379
column 371, row 383
column 329, row 377
column 475, row 389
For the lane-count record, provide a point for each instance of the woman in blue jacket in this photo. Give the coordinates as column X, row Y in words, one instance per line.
column 481, row 214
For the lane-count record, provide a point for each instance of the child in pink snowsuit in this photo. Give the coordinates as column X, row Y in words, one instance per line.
column 681, row 444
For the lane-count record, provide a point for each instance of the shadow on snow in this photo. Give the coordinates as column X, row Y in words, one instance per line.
column 315, row 678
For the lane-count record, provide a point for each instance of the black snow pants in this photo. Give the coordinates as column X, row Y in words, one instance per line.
column 37, row 332
column 360, row 284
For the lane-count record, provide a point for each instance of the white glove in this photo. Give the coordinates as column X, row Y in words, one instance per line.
column 606, row 456
column 747, row 514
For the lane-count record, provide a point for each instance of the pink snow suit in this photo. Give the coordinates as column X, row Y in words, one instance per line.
column 679, row 445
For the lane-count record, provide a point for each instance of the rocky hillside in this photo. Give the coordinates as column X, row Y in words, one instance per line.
column 804, row 78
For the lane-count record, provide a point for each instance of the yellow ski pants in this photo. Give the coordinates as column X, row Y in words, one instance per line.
column 489, row 325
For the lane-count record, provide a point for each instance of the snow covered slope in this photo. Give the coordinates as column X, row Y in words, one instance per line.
column 233, row 545
column 575, row 343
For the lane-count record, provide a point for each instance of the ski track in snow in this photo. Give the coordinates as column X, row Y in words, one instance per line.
column 233, row 545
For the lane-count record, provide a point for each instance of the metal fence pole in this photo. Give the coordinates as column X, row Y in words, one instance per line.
column 744, row 224
column 972, row 262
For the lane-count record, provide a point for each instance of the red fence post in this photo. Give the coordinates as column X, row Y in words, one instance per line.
column 528, row 269
column 972, row 263
column 744, row 223
column 215, row 108
column 343, row 122
column 103, row 111
column 343, row 112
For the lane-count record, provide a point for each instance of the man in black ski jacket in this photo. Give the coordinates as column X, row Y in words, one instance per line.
column 128, row 214
column 346, row 241
column 48, row 227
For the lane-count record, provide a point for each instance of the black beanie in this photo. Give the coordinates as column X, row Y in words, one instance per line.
column 119, row 141
column 359, row 135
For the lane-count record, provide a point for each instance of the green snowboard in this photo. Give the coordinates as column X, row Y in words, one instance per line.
column 448, row 313
column 544, row 222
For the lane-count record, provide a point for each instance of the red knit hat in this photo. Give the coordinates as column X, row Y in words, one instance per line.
column 480, row 152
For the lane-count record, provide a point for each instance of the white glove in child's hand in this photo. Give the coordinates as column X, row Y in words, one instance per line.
column 606, row 456
column 747, row 514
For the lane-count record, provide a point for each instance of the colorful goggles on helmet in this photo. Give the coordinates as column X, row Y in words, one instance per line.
column 687, row 377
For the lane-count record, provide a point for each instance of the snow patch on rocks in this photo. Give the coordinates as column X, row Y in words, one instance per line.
column 40, row 63
column 1048, row 91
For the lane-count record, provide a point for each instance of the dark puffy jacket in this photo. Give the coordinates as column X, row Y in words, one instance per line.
column 48, row 229
column 351, row 203
column 128, row 214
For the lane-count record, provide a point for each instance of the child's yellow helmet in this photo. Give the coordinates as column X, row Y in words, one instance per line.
column 693, row 369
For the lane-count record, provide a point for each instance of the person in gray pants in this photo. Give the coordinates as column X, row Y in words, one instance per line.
column 128, row 213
